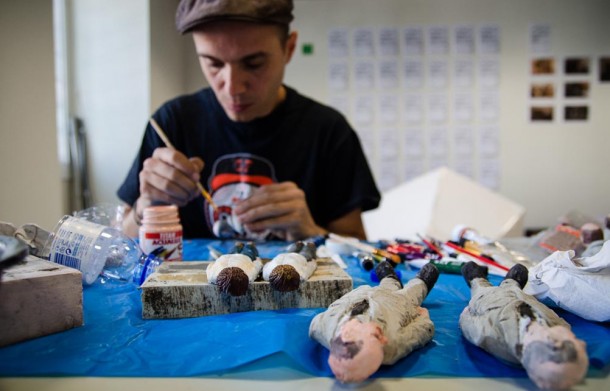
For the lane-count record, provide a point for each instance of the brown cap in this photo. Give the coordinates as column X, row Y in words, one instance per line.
column 194, row 13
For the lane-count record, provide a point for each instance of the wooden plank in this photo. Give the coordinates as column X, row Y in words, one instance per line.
column 181, row 290
column 38, row 298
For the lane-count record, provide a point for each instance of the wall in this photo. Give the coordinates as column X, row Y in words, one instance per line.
column 32, row 190
column 111, row 85
column 126, row 60
column 548, row 168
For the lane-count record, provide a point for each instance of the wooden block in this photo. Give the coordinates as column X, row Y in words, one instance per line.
column 37, row 298
column 181, row 290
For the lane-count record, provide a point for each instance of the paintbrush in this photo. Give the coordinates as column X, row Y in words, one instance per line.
column 168, row 144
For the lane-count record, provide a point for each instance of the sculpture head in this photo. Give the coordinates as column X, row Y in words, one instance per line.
column 357, row 351
column 553, row 357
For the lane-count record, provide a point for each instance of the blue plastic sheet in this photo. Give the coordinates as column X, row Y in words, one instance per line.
column 116, row 341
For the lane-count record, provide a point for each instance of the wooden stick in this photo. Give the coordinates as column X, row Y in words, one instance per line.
column 168, row 144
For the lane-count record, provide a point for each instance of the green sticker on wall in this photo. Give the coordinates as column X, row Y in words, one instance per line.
column 307, row 49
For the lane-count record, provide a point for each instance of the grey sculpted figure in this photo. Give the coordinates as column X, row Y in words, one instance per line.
column 519, row 329
column 370, row 326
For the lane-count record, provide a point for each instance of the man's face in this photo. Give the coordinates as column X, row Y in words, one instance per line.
column 244, row 64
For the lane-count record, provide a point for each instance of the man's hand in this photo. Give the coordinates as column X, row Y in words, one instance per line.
column 281, row 208
column 168, row 177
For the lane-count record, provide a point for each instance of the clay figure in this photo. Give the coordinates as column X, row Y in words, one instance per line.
column 233, row 272
column 370, row 326
column 517, row 328
column 286, row 271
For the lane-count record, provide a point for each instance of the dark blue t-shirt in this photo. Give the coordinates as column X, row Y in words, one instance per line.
column 301, row 141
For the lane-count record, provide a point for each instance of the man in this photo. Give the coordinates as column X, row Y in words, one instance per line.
column 276, row 163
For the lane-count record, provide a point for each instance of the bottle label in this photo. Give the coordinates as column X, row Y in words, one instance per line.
column 73, row 244
column 167, row 244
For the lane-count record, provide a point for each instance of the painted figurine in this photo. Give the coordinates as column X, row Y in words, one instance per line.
column 370, row 326
column 286, row 271
column 519, row 329
column 233, row 272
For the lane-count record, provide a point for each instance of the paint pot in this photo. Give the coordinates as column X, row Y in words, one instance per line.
column 161, row 232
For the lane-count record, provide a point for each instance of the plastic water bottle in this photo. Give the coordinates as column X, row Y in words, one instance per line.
column 96, row 250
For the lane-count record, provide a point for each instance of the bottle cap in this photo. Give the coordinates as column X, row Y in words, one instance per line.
column 161, row 214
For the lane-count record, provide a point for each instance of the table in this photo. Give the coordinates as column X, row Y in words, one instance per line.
column 118, row 349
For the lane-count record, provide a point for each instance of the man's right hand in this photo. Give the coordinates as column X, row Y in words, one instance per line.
column 168, row 177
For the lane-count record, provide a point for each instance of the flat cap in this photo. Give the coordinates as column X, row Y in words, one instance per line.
column 194, row 13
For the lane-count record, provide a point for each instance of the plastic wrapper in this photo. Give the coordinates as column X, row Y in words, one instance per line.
column 578, row 285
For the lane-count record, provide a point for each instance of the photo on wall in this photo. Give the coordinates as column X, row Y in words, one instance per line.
column 604, row 69
column 578, row 89
column 541, row 113
column 543, row 66
column 576, row 66
column 576, row 113
column 542, row 90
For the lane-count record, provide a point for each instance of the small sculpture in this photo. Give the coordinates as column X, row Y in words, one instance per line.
column 286, row 271
column 370, row 326
column 517, row 328
column 233, row 272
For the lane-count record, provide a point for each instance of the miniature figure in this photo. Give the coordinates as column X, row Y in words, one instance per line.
column 233, row 272
column 286, row 271
column 370, row 326
column 517, row 328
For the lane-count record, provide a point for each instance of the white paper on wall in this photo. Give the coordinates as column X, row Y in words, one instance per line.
column 489, row 39
column 489, row 173
column 413, row 41
column 338, row 43
column 489, row 106
column 388, row 108
column 364, row 109
column 489, row 141
column 413, row 168
column 364, row 75
column 414, row 143
column 463, row 107
column 438, row 74
column 388, row 41
column 413, row 74
column 437, row 108
column 413, row 108
column 338, row 75
column 489, row 73
column 364, row 43
column 464, row 39
column 388, row 74
column 437, row 142
column 389, row 143
column 438, row 40
column 540, row 38
column 463, row 73
column 463, row 141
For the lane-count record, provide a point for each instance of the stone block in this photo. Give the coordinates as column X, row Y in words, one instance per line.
column 181, row 290
column 38, row 298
